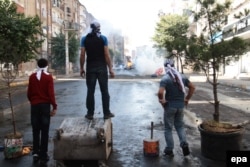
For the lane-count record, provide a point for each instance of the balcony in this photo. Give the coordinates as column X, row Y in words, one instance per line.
column 240, row 28
column 71, row 26
column 57, row 20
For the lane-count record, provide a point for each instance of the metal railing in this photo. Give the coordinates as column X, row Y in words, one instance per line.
column 71, row 25
column 237, row 28
column 57, row 20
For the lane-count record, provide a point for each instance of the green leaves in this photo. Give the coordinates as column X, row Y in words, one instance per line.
column 170, row 32
column 58, row 49
column 20, row 36
column 206, row 48
column 208, row 54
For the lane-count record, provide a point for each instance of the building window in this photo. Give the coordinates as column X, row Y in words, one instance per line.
column 68, row 9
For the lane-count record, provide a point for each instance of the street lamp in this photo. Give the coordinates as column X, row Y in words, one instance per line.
column 66, row 50
column 68, row 26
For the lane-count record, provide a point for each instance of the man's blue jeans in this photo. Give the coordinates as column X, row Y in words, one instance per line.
column 40, row 121
column 174, row 117
column 92, row 76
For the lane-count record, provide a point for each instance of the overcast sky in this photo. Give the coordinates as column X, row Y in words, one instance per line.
column 136, row 18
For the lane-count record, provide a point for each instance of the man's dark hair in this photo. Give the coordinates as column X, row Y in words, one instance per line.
column 42, row 63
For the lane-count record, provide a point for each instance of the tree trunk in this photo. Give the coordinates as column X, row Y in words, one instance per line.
column 181, row 66
column 12, row 110
column 177, row 62
column 216, row 102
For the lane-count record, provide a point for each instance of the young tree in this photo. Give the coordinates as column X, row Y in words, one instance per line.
column 208, row 51
column 58, row 50
column 171, row 34
column 20, row 38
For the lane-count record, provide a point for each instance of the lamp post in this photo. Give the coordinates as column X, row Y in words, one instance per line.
column 66, row 52
column 66, row 27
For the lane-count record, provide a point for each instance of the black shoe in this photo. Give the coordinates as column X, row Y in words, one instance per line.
column 185, row 150
column 110, row 115
column 90, row 117
column 35, row 158
column 44, row 160
column 43, row 163
column 168, row 153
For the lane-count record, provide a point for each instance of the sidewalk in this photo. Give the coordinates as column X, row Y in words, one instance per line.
column 243, row 84
column 239, row 83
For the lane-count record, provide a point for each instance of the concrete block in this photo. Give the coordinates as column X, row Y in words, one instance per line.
column 82, row 139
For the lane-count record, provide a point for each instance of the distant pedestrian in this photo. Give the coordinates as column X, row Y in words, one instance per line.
column 41, row 96
column 95, row 46
column 173, row 98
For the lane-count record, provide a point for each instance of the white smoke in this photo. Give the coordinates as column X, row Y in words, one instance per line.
column 147, row 62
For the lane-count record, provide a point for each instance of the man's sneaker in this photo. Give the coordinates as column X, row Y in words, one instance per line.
column 35, row 158
column 168, row 153
column 110, row 115
column 185, row 150
column 90, row 117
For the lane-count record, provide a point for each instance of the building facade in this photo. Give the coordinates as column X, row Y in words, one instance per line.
column 238, row 27
column 57, row 16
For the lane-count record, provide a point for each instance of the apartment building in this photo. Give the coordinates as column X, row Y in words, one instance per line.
column 56, row 16
column 239, row 27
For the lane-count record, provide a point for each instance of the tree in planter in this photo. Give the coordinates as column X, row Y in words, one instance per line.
column 20, row 37
column 208, row 51
column 170, row 33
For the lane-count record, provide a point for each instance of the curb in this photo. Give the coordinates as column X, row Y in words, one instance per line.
column 240, row 86
column 21, row 83
column 24, row 82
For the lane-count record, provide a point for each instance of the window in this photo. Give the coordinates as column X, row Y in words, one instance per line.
column 68, row 9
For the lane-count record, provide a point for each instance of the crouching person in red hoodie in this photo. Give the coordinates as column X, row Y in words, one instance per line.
column 41, row 96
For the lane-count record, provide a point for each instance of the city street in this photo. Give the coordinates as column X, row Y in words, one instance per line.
column 135, row 105
column 138, row 42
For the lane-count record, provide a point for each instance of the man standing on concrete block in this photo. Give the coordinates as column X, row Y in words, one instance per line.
column 95, row 46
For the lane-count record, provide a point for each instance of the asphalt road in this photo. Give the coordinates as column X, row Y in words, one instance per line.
column 135, row 105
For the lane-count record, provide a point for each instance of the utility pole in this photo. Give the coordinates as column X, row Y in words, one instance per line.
column 66, row 27
column 66, row 51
